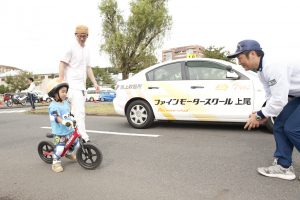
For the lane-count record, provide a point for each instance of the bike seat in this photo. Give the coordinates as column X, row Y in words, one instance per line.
column 49, row 135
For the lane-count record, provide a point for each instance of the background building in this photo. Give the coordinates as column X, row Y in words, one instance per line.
column 7, row 71
column 40, row 80
column 192, row 51
column 4, row 69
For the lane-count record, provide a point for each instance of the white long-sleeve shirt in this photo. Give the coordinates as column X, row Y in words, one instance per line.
column 279, row 80
column 31, row 87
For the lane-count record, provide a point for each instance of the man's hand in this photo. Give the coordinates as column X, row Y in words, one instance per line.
column 60, row 80
column 97, row 87
column 67, row 122
column 252, row 122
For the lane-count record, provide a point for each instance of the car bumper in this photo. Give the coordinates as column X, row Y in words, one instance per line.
column 119, row 107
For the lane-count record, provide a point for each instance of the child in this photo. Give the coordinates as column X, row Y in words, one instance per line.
column 61, row 121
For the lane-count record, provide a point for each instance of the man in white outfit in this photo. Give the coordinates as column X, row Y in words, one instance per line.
column 74, row 68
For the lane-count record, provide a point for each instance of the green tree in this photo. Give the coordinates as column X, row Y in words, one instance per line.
column 19, row 82
column 217, row 53
column 102, row 75
column 4, row 89
column 113, row 70
column 131, row 44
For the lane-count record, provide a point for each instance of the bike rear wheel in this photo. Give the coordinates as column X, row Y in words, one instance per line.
column 45, row 150
column 9, row 103
column 23, row 103
column 89, row 156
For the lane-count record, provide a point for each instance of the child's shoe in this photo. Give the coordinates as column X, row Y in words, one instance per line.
column 56, row 167
column 71, row 156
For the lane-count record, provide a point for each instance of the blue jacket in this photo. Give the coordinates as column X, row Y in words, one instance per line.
column 61, row 109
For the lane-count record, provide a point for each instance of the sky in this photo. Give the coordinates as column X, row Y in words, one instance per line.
column 36, row 33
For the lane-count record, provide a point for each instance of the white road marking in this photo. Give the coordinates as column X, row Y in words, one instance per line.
column 12, row 111
column 114, row 133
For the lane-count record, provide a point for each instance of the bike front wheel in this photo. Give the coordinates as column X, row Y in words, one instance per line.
column 89, row 156
column 45, row 150
column 23, row 103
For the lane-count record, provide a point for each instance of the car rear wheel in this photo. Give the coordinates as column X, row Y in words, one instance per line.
column 91, row 99
column 48, row 100
column 139, row 114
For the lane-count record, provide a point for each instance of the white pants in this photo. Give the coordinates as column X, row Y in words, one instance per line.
column 77, row 99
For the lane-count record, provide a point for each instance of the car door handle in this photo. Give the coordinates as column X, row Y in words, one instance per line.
column 197, row 87
column 153, row 87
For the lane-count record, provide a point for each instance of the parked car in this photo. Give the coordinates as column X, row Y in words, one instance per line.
column 106, row 89
column 107, row 95
column 92, row 94
column 41, row 96
column 198, row 89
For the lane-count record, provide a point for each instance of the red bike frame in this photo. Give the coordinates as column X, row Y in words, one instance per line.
column 70, row 141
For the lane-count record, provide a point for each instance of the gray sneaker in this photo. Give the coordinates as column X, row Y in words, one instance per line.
column 277, row 171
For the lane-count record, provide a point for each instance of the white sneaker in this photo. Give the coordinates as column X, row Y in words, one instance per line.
column 277, row 171
column 56, row 167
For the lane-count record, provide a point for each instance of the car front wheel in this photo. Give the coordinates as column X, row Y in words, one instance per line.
column 139, row 114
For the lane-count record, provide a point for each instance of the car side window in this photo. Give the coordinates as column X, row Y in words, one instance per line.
column 168, row 72
column 203, row 70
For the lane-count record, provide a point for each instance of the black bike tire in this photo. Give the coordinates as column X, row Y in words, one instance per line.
column 23, row 103
column 46, row 146
column 86, row 162
column 9, row 103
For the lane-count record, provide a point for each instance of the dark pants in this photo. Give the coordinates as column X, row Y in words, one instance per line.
column 287, row 132
column 31, row 100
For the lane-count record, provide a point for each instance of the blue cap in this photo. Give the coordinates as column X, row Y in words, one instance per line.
column 245, row 45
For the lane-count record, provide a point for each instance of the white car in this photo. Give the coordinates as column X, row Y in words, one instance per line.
column 41, row 96
column 198, row 89
column 92, row 94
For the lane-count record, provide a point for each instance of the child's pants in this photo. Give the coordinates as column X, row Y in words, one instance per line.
column 60, row 143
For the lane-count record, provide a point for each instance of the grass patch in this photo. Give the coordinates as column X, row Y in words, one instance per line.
column 99, row 108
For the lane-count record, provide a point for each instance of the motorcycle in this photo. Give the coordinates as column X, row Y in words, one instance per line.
column 17, row 99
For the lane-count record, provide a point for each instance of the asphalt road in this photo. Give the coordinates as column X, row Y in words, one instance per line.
column 170, row 161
